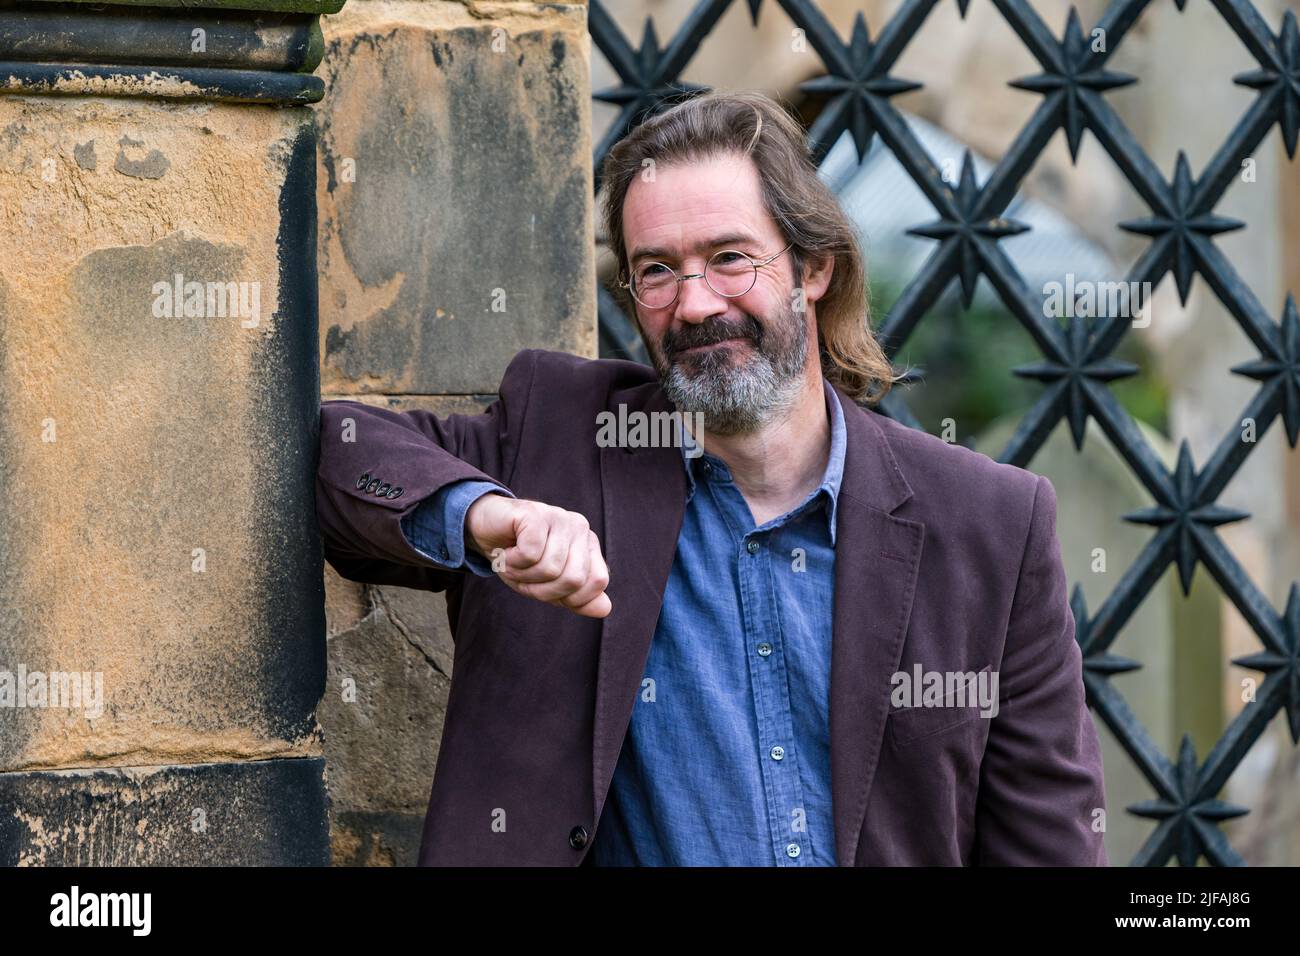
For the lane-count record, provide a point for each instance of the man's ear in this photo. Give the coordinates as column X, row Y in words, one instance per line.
column 817, row 276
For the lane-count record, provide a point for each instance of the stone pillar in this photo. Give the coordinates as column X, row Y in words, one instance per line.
column 161, row 608
column 456, row 210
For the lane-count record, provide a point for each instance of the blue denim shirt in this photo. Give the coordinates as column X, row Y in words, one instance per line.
column 727, row 758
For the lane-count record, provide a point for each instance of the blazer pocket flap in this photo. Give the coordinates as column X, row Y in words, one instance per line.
column 960, row 706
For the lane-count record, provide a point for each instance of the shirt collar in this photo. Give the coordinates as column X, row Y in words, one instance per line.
column 830, row 485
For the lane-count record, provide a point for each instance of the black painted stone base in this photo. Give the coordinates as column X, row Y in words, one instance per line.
column 254, row 813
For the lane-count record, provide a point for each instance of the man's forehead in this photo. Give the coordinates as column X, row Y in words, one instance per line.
column 683, row 209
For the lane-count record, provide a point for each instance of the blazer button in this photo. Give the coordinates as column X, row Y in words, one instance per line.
column 361, row 482
column 374, row 483
column 578, row 837
column 396, row 492
column 383, row 489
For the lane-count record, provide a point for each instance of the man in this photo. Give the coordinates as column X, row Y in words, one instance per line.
column 805, row 635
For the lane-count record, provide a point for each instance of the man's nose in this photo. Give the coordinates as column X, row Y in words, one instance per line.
column 696, row 302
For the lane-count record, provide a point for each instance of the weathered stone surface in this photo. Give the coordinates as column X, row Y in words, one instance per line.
column 455, row 193
column 376, row 839
column 383, row 712
column 156, row 464
column 219, row 814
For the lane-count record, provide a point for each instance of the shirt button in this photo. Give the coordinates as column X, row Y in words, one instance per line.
column 764, row 649
column 792, row 850
column 778, row 753
column 752, row 547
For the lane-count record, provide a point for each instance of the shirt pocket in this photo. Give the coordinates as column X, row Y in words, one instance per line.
column 908, row 724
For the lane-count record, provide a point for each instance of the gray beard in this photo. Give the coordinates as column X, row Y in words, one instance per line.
column 742, row 398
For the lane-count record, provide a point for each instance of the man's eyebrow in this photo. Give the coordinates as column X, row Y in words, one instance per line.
column 730, row 239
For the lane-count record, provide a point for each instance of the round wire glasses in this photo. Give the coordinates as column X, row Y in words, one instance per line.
column 728, row 272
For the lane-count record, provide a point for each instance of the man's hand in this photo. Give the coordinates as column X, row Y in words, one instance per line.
column 544, row 553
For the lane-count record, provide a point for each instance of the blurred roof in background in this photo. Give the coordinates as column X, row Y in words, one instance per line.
column 884, row 202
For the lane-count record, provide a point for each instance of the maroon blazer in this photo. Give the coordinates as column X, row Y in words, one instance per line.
column 944, row 558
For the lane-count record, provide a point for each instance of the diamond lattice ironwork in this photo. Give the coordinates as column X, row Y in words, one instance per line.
column 1077, row 364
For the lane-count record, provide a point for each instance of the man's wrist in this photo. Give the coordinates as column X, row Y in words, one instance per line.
column 472, row 544
column 436, row 527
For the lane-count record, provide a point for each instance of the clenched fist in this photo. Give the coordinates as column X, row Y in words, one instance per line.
column 543, row 552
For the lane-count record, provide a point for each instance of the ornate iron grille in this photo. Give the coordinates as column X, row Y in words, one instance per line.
column 1077, row 364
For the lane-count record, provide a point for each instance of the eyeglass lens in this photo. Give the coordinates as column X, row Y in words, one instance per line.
column 728, row 273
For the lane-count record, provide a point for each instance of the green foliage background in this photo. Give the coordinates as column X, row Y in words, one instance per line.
column 964, row 359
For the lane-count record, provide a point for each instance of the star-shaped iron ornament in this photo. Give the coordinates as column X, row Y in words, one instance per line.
column 1098, row 666
column 1188, row 519
column 1070, row 380
column 1070, row 74
column 1279, row 78
column 1193, row 815
column 645, row 84
column 1286, row 663
column 1176, row 232
column 970, row 233
column 1281, row 365
column 859, row 86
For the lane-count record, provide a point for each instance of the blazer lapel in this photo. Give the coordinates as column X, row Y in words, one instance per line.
column 644, row 493
column 877, row 558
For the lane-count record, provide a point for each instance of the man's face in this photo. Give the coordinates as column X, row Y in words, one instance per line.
column 740, row 361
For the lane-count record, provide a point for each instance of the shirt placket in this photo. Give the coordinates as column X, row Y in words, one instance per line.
column 769, row 681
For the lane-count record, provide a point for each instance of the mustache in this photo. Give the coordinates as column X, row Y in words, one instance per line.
column 708, row 334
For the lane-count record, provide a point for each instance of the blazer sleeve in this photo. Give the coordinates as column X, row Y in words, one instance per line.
column 415, row 454
column 1041, row 798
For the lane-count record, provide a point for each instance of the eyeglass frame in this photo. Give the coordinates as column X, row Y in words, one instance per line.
column 677, row 286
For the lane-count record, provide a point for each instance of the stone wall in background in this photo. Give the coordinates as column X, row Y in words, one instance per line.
column 159, row 557
column 455, row 201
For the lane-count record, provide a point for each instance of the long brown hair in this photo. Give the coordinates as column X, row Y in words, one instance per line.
column 807, row 213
